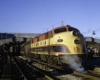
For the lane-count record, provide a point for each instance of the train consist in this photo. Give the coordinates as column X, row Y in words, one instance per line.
column 61, row 45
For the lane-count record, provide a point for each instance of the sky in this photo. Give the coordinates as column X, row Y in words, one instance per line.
column 38, row 16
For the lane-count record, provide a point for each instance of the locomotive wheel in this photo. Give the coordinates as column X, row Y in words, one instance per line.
column 49, row 59
column 55, row 60
column 43, row 57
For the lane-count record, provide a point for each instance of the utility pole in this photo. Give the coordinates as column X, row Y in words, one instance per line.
column 53, row 26
column 2, row 38
column 62, row 22
column 6, row 37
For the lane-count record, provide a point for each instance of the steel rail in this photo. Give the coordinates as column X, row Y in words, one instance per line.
column 19, row 69
column 87, row 75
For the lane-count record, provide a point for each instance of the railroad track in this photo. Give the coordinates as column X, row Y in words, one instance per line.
column 11, row 71
column 36, row 71
column 90, row 75
column 50, row 72
column 16, row 73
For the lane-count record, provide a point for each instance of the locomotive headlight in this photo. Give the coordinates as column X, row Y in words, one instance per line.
column 75, row 33
column 77, row 41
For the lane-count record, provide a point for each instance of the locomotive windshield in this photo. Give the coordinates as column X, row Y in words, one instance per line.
column 59, row 30
column 59, row 49
column 72, row 29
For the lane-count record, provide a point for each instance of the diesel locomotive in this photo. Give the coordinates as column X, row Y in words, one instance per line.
column 54, row 45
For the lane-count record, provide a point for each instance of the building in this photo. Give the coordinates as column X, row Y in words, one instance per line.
column 7, row 37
